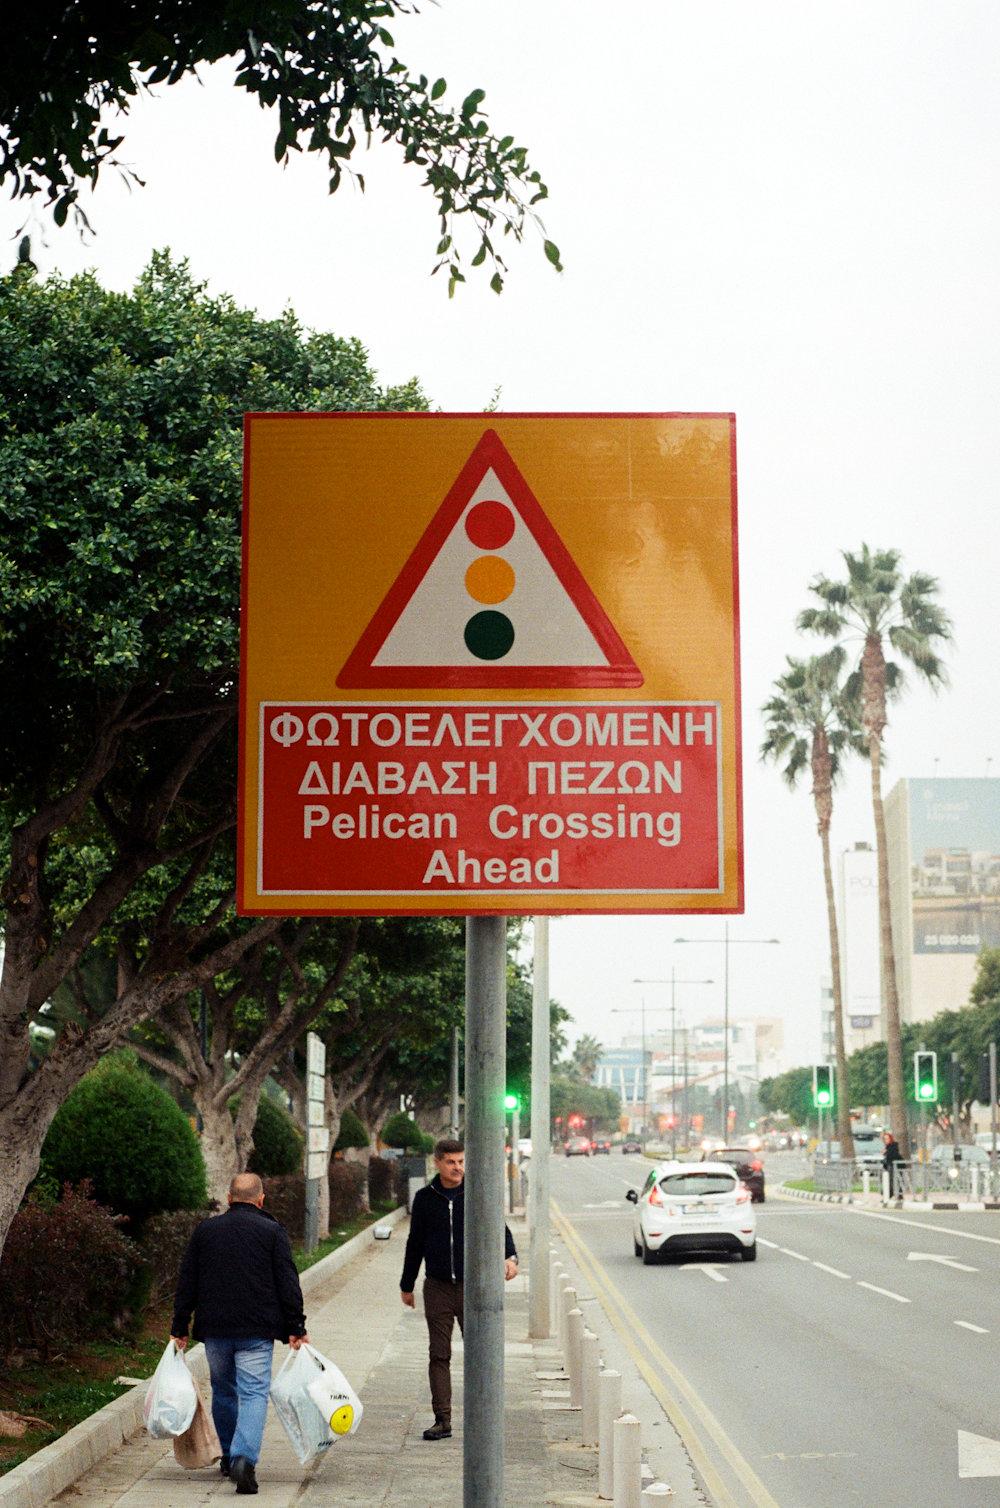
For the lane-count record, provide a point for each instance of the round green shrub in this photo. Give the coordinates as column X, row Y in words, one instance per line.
column 277, row 1146
column 402, row 1131
column 352, row 1133
column 126, row 1135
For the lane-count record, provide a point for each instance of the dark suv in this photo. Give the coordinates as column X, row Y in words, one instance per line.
column 748, row 1167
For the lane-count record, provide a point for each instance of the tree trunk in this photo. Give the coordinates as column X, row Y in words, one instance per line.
column 894, row 1038
column 218, row 1148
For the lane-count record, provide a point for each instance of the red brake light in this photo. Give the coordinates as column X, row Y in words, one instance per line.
column 757, row 1166
column 654, row 1195
column 742, row 1194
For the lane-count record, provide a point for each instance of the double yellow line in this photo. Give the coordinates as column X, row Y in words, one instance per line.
column 680, row 1402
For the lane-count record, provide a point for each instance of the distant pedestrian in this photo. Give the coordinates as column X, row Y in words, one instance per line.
column 891, row 1159
column 437, row 1238
column 239, row 1281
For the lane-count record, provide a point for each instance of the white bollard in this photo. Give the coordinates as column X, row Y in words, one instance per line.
column 866, row 1181
column 885, row 1186
column 574, row 1358
column 628, row 1462
column 609, row 1406
column 567, row 1302
column 556, row 1270
column 975, row 1183
column 656, row 1492
column 590, row 1366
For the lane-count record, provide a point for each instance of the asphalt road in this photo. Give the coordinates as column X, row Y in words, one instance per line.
column 838, row 1368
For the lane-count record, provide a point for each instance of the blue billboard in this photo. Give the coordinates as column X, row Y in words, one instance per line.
column 955, row 865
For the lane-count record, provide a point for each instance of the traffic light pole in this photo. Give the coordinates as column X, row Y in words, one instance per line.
column 538, row 1172
column 485, row 1123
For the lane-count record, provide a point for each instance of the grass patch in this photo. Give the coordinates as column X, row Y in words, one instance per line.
column 337, row 1237
column 806, row 1184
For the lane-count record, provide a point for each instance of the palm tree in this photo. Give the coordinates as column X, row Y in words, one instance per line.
column 585, row 1056
column 877, row 603
column 811, row 721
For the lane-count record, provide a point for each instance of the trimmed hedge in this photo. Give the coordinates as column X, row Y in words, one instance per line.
column 402, row 1131
column 277, row 1146
column 125, row 1135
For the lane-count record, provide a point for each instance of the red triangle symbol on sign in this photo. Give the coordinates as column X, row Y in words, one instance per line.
column 490, row 597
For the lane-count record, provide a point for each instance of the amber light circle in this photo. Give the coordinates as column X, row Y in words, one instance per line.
column 489, row 579
column 490, row 525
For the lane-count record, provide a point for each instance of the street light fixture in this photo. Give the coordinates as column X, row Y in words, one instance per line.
column 673, row 982
column 725, row 1019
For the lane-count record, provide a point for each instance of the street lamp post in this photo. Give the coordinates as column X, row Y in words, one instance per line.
column 673, row 982
column 725, row 1018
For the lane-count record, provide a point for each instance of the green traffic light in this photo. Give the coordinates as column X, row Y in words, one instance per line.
column 926, row 1091
column 510, row 1103
column 823, row 1097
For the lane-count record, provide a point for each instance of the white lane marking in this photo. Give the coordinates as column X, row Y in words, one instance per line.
column 708, row 1268
column 927, row 1256
column 887, row 1292
column 606, row 1204
column 946, row 1230
column 772, row 1245
column 976, row 1329
column 796, row 1254
column 834, row 1271
column 978, row 1455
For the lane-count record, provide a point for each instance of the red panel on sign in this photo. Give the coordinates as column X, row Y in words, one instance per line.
column 501, row 798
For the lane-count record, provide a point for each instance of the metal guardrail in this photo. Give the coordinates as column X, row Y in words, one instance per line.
column 914, row 1180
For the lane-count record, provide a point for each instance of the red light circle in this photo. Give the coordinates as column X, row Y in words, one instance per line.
column 489, row 525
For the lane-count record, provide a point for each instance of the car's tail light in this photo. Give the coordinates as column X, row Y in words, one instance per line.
column 654, row 1195
column 757, row 1167
column 742, row 1194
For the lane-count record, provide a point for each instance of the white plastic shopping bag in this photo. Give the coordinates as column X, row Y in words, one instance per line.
column 314, row 1401
column 171, row 1397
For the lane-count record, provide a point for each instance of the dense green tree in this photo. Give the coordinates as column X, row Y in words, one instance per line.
column 789, row 1094
column 130, row 1139
column 875, row 603
column 277, row 1146
column 601, row 1107
column 120, row 489
column 326, row 67
column 812, row 723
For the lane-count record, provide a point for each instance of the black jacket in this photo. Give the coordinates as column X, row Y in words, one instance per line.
column 437, row 1236
column 891, row 1154
column 238, row 1279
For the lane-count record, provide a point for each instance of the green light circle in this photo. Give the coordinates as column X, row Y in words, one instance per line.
column 489, row 635
column 510, row 1103
column 823, row 1097
column 926, row 1091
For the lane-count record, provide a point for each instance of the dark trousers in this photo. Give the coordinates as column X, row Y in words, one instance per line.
column 443, row 1305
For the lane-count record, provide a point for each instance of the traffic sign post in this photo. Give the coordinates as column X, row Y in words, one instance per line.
column 489, row 667
column 318, row 1137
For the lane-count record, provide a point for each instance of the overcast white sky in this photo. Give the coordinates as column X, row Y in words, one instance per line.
column 785, row 210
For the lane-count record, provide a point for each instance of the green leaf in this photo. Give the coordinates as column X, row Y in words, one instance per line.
column 438, row 89
column 496, row 283
column 480, row 256
column 552, row 252
column 471, row 103
column 385, row 38
column 443, row 245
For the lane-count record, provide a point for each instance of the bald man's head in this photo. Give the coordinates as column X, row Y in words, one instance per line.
column 246, row 1188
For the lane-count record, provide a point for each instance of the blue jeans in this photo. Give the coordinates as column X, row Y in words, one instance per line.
column 241, row 1381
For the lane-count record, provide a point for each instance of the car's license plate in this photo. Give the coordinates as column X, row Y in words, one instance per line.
column 698, row 1209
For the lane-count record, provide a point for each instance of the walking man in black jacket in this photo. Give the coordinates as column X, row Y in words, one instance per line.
column 437, row 1238
column 240, row 1283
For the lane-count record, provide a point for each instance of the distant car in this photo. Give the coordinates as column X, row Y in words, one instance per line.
column 578, row 1146
column 631, row 1144
column 748, row 1165
column 685, row 1207
column 711, row 1144
column 868, row 1145
column 945, row 1153
column 602, row 1144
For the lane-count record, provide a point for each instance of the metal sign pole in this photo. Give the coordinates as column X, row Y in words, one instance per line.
column 454, row 1081
column 993, row 1118
column 538, row 1173
column 318, row 1144
column 485, row 1074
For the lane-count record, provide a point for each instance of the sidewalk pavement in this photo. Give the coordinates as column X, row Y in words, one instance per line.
column 358, row 1320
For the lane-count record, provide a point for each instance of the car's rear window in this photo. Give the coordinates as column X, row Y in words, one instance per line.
column 684, row 1185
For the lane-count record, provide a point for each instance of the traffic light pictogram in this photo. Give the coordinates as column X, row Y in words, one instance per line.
column 925, row 1077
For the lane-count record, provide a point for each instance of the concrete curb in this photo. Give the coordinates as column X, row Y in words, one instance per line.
column 969, row 1207
column 53, row 1468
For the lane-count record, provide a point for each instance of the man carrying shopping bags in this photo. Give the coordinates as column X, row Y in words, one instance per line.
column 239, row 1281
column 437, row 1238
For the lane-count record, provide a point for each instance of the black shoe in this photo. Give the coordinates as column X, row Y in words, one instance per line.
column 439, row 1430
column 224, row 1466
column 242, row 1473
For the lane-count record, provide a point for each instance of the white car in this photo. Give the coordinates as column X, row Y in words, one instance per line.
column 693, row 1207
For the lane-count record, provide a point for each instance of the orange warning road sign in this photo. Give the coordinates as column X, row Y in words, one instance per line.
column 551, row 603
